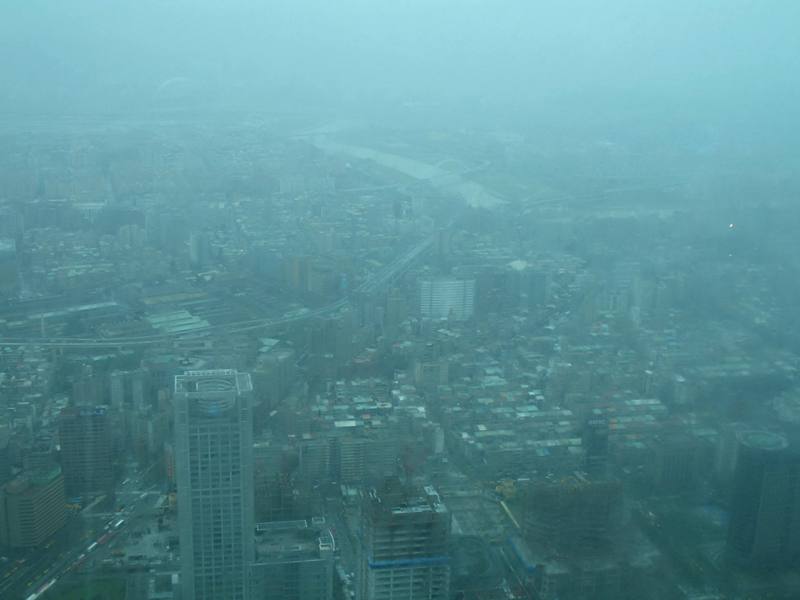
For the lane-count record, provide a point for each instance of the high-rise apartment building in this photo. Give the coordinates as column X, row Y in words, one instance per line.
column 595, row 445
column 32, row 508
column 5, row 454
column 9, row 269
column 129, row 389
column 86, row 450
column 214, row 472
column 447, row 298
column 405, row 552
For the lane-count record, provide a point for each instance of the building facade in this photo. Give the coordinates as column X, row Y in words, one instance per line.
column 9, row 269
column 294, row 560
column 86, row 450
column 764, row 528
column 447, row 298
column 214, row 472
column 32, row 508
column 405, row 552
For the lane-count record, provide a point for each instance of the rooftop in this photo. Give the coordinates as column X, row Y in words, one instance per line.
column 763, row 440
column 213, row 381
column 293, row 541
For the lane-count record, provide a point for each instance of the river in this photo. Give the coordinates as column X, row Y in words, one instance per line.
column 473, row 193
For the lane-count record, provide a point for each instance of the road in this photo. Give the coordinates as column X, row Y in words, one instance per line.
column 43, row 575
column 19, row 573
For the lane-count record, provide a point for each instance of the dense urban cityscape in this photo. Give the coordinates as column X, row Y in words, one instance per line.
column 243, row 365
column 399, row 300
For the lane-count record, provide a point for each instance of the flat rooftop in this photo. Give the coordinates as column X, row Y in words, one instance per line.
column 293, row 541
column 213, row 381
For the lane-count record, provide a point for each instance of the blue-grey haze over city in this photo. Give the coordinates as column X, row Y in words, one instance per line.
column 399, row 300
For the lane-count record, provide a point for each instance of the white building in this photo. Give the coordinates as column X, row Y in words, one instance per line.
column 447, row 298
column 214, row 472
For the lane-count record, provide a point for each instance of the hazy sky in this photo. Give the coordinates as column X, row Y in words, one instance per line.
column 700, row 59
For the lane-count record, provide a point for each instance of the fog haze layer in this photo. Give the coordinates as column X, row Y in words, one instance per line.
column 715, row 62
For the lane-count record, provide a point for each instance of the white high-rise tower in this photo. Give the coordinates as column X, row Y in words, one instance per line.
column 214, row 469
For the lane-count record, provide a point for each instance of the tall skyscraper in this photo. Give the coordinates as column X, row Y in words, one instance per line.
column 405, row 552
column 764, row 529
column 86, row 450
column 214, row 472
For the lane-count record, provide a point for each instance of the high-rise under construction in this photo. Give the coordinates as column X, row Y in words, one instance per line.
column 405, row 551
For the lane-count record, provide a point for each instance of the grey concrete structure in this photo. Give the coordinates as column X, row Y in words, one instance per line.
column 294, row 560
column 405, row 553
